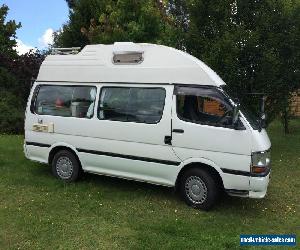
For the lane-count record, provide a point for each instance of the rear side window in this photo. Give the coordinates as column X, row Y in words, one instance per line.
column 67, row 101
column 143, row 105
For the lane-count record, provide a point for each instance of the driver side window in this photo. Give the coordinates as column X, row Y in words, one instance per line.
column 203, row 110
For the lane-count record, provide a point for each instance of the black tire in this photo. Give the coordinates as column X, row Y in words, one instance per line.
column 199, row 189
column 65, row 166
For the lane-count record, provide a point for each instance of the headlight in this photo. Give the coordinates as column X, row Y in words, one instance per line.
column 261, row 162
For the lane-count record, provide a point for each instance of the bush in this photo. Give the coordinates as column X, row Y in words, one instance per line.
column 11, row 114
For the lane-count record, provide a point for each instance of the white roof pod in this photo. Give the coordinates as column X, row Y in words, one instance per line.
column 126, row 62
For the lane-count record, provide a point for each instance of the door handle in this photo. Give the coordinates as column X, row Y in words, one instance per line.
column 179, row 131
column 168, row 140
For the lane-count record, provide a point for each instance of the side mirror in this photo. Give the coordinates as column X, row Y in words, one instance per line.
column 262, row 123
column 236, row 114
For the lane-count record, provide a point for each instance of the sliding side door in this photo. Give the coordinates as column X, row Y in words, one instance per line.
column 131, row 134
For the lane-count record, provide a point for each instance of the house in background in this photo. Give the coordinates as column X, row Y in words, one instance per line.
column 295, row 104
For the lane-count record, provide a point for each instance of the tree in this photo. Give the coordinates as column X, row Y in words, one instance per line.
column 7, row 33
column 80, row 15
column 107, row 21
column 7, row 54
column 253, row 45
column 16, row 73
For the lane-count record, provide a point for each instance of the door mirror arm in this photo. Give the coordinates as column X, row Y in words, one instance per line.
column 262, row 118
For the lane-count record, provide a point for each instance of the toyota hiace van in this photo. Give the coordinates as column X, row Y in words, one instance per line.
column 148, row 113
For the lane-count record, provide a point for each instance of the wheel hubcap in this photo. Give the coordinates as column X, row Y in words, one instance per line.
column 64, row 167
column 196, row 189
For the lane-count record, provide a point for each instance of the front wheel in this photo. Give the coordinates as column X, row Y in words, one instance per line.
column 65, row 166
column 199, row 188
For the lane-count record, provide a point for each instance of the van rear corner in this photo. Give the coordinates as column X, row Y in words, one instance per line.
column 25, row 150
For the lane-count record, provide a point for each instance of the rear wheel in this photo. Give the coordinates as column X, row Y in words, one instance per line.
column 65, row 166
column 199, row 189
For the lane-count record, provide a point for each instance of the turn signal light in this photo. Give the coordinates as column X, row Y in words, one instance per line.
column 258, row 170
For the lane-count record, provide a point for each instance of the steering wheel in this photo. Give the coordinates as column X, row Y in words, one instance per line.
column 223, row 117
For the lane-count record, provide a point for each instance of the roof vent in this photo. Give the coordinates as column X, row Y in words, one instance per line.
column 65, row 51
column 128, row 58
column 127, row 53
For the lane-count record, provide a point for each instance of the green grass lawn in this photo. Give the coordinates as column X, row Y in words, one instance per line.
column 39, row 211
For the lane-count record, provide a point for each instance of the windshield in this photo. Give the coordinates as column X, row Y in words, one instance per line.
column 251, row 118
column 249, row 115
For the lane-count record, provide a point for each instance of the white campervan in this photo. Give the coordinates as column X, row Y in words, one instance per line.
column 149, row 113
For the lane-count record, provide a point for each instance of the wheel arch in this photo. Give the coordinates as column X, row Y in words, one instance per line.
column 62, row 146
column 210, row 167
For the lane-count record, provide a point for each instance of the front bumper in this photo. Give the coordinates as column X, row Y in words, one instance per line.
column 257, row 190
column 259, row 186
